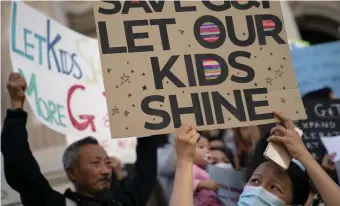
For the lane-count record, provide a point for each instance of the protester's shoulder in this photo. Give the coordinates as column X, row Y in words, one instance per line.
column 17, row 113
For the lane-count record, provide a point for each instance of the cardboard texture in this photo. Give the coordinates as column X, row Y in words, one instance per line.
column 216, row 82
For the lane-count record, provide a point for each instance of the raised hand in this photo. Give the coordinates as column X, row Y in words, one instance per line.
column 286, row 134
column 186, row 139
column 16, row 87
column 327, row 162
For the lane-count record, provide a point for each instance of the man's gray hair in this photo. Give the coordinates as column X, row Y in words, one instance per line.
column 71, row 153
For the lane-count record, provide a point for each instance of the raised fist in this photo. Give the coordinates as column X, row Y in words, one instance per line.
column 186, row 140
column 16, row 86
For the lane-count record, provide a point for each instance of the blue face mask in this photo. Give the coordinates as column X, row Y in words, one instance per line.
column 258, row 196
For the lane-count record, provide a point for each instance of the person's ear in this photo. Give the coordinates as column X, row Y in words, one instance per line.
column 72, row 173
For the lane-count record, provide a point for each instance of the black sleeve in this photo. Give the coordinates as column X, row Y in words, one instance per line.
column 138, row 191
column 21, row 170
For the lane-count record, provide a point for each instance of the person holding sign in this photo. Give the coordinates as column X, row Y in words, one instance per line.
column 186, row 139
column 86, row 163
column 269, row 185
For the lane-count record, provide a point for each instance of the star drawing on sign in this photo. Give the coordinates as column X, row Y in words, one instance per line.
column 181, row 32
column 269, row 69
column 144, row 88
column 278, row 73
column 143, row 74
column 108, row 70
column 130, row 95
column 126, row 113
column 115, row 111
column 125, row 79
column 283, row 100
column 132, row 71
column 269, row 80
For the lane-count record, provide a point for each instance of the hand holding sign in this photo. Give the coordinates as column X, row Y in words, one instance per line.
column 328, row 163
column 16, row 87
column 288, row 136
column 186, row 139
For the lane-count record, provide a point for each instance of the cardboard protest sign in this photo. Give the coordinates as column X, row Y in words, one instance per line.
column 210, row 64
column 318, row 66
column 231, row 183
column 63, row 72
column 323, row 121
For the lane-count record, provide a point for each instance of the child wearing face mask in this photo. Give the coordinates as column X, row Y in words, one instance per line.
column 204, row 187
column 222, row 157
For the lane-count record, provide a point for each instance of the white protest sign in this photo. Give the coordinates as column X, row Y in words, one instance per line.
column 230, row 182
column 62, row 68
column 332, row 145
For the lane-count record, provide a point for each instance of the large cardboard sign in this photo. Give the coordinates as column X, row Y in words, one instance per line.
column 323, row 121
column 213, row 64
column 318, row 66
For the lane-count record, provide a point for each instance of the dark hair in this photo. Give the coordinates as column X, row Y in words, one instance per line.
column 71, row 153
column 298, row 177
column 227, row 153
column 216, row 139
column 323, row 93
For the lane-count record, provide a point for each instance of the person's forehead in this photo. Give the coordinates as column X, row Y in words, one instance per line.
column 203, row 140
column 271, row 170
column 216, row 141
column 217, row 152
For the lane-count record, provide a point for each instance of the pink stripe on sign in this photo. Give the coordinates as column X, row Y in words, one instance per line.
column 269, row 25
column 210, row 38
column 209, row 30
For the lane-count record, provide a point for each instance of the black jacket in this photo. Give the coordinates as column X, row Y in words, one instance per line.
column 23, row 174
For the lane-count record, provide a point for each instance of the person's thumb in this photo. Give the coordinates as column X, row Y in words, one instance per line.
column 275, row 139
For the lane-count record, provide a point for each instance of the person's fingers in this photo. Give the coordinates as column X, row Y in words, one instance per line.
column 195, row 138
column 332, row 155
column 286, row 121
column 22, row 82
column 280, row 116
column 15, row 76
column 184, row 130
column 275, row 139
column 192, row 133
column 11, row 76
column 278, row 129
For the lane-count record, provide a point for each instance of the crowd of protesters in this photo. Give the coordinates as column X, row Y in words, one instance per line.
column 170, row 168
